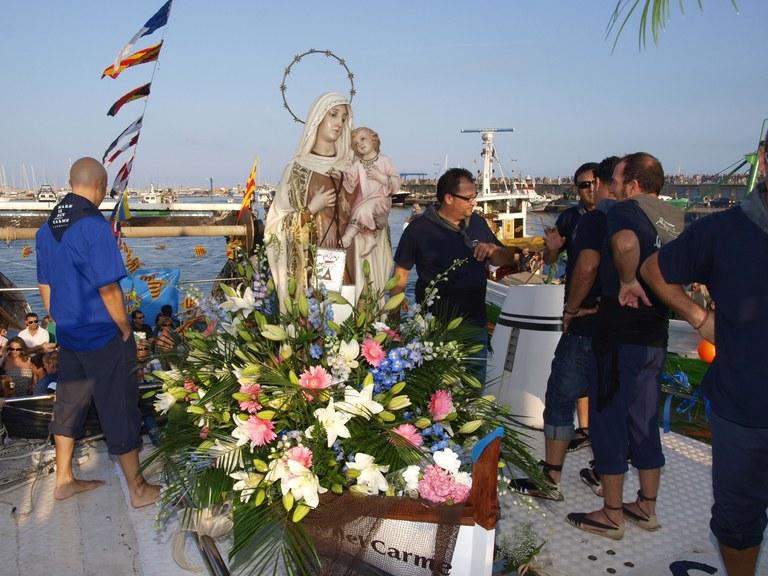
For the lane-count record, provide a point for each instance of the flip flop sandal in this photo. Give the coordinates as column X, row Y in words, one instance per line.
column 647, row 522
column 611, row 530
column 528, row 488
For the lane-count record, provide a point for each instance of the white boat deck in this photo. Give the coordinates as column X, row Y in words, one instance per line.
column 98, row 533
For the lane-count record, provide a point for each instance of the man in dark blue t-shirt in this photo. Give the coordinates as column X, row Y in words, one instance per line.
column 728, row 252
column 573, row 363
column 630, row 346
column 560, row 238
column 78, row 270
column 445, row 233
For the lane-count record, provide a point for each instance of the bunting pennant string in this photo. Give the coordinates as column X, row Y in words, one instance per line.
column 135, row 94
column 132, row 142
column 143, row 56
column 157, row 21
column 121, row 179
column 250, row 189
column 133, row 129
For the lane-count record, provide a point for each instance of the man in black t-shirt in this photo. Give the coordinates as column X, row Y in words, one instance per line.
column 728, row 252
column 442, row 234
column 630, row 347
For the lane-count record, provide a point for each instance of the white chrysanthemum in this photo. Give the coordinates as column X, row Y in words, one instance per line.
column 411, row 477
column 448, row 460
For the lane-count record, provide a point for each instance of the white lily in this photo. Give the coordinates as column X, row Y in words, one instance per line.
column 234, row 304
column 164, row 401
column 334, row 422
column 349, row 351
column 448, row 460
column 246, row 484
column 247, row 375
column 411, row 477
column 371, row 478
column 360, row 403
column 303, row 484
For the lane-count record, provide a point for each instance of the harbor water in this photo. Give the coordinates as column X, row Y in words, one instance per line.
column 198, row 267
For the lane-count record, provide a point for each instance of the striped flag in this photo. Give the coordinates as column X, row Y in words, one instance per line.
column 132, row 130
column 149, row 54
column 157, row 21
column 132, row 142
column 135, row 94
column 250, row 189
column 121, row 179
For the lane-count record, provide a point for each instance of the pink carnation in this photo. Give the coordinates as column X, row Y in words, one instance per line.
column 440, row 405
column 251, row 406
column 190, row 386
column 316, row 378
column 373, row 352
column 410, row 433
column 260, row 432
column 439, row 487
column 302, row 455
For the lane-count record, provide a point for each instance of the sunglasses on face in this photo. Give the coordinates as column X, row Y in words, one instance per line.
column 466, row 198
column 585, row 184
column 33, row 322
column 14, row 349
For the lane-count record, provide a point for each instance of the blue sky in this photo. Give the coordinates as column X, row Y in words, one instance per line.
column 423, row 71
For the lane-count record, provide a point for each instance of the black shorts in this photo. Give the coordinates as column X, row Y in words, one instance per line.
column 109, row 376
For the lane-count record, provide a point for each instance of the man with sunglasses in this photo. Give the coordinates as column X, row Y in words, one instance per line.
column 34, row 337
column 442, row 234
column 79, row 267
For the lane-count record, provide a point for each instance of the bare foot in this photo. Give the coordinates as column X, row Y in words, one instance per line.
column 75, row 486
column 144, row 494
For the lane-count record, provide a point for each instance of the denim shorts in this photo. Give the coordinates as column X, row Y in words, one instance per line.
column 572, row 369
column 739, row 483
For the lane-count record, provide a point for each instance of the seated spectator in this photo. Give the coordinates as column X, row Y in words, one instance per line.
column 47, row 384
column 167, row 310
column 48, row 324
column 35, row 338
column 18, row 366
column 166, row 340
column 139, row 326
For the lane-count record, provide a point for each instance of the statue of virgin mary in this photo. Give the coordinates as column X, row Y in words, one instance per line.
column 311, row 206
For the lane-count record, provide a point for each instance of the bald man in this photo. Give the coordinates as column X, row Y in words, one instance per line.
column 78, row 270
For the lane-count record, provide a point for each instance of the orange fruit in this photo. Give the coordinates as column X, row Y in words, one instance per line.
column 706, row 351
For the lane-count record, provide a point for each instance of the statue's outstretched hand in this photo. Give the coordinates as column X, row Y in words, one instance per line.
column 321, row 200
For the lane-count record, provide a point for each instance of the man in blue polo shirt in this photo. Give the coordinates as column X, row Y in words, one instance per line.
column 78, row 270
column 728, row 252
column 442, row 234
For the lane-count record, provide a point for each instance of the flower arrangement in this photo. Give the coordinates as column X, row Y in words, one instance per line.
column 273, row 410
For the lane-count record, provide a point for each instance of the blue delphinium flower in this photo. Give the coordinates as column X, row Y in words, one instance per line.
column 316, row 351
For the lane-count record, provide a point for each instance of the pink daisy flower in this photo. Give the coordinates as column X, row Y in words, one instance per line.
column 410, row 433
column 440, row 405
column 373, row 352
column 260, row 432
column 316, row 378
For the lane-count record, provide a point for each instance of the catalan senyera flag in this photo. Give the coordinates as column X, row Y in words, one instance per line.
column 148, row 54
column 157, row 21
column 132, row 130
column 250, row 189
column 132, row 142
column 135, row 94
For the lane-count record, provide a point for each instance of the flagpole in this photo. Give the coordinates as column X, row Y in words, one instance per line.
column 146, row 100
column 115, row 216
